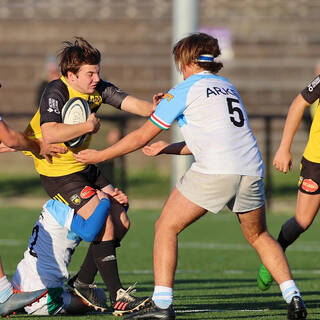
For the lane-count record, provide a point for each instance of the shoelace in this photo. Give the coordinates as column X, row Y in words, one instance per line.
column 92, row 286
column 126, row 294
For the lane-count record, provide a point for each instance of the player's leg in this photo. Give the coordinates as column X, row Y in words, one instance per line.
column 306, row 210
column 253, row 225
column 11, row 299
column 122, row 301
column 170, row 223
column 102, row 256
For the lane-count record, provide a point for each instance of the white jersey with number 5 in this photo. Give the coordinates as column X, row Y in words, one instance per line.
column 214, row 124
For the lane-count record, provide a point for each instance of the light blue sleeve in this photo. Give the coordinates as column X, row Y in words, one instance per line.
column 171, row 106
column 59, row 211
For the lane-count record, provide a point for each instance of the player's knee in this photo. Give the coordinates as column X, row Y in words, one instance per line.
column 163, row 226
column 254, row 237
column 301, row 225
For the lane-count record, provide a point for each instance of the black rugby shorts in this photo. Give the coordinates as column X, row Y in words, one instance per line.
column 75, row 189
column 309, row 180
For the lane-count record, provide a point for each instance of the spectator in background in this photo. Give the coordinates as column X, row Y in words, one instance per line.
column 51, row 72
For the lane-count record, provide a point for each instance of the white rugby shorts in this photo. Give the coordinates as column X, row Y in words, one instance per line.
column 215, row 191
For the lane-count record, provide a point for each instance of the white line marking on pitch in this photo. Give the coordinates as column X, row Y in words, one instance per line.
column 218, row 310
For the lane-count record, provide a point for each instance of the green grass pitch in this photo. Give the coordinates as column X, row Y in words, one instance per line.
column 216, row 274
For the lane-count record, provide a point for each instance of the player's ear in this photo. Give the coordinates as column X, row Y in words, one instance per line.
column 71, row 76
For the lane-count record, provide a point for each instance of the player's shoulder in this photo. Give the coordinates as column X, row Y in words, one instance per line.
column 55, row 95
column 57, row 84
column 104, row 84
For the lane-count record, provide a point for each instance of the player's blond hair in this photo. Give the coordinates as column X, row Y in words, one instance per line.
column 189, row 49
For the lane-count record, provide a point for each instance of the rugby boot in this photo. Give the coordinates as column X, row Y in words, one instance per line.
column 151, row 311
column 296, row 309
column 19, row 300
column 88, row 293
column 126, row 302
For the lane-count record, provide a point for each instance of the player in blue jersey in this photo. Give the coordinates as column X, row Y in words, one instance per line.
column 55, row 236
column 227, row 171
column 11, row 299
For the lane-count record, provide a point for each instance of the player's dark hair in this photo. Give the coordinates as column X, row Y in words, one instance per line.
column 189, row 49
column 77, row 53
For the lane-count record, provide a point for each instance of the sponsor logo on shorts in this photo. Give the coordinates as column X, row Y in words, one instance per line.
column 87, row 192
column 75, row 199
column 309, row 185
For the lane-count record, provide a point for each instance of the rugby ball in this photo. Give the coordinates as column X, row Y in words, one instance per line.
column 76, row 110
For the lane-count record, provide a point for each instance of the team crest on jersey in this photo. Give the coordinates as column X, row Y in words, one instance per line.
column 53, row 106
column 309, row 185
column 87, row 192
column 75, row 199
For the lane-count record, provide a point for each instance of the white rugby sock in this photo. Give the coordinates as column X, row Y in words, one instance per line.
column 6, row 289
column 162, row 296
column 289, row 290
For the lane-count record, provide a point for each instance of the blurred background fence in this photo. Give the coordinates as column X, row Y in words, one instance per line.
column 270, row 50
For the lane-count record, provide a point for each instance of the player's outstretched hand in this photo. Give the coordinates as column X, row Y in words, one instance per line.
column 90, row 156
column 156, row 99
column 48, row 150
column 4, row 148
column 93, row 123
column 283, row 160
column 118, row 195
column 154, row 149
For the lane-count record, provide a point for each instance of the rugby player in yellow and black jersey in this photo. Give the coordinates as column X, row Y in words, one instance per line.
column 74, row 183
column 308, row 198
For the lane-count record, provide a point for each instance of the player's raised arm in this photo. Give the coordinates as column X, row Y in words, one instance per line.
column 139, row 106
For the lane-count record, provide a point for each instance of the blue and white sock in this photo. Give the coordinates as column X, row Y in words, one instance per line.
column 6, row 289
column 289, row 290
column 162, row 296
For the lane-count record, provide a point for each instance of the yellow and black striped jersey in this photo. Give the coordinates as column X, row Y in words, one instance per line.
column 57, row 93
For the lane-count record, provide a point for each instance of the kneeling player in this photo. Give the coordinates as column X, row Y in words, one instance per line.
column 55, row 235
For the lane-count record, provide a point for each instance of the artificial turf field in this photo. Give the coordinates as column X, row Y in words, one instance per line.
column 216, row 275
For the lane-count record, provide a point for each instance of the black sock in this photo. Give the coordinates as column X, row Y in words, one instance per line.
column 289, row 233
column 89, row 268
column 104, row 254
column 283, row 242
